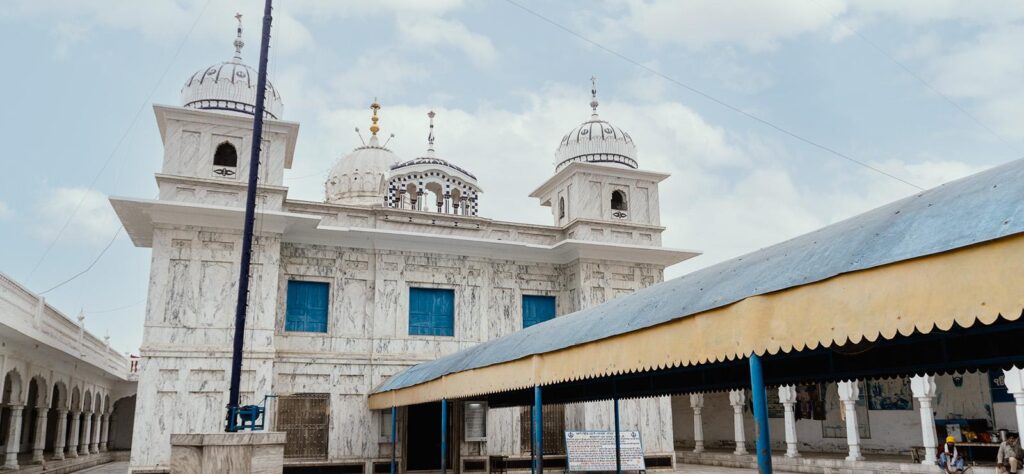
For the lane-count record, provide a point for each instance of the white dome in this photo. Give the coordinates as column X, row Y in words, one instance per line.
column 596, row 141
column 230, row 86
column 360, row 178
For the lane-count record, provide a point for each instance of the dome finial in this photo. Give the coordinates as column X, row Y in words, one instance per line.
column 593, row 94
column 430, row 137
column 375, row 106
column 238, row 39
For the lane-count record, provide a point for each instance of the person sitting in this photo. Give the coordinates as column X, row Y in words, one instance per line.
column 1010, row 454
column 950, row 460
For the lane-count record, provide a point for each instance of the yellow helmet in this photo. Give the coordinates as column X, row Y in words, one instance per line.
column 950, row 439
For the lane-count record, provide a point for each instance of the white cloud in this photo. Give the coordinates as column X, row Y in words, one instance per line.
column 756, row 25
column 94, row 222
column 5, row 211
column 428, row 31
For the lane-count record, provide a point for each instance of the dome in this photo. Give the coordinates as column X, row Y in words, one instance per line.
column 360, row 178
column 229, row 86
column 596, row 141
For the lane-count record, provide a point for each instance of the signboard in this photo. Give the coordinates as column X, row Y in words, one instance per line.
column 595, row 451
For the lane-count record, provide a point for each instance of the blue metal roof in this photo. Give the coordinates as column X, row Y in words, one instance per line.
column 978, row 208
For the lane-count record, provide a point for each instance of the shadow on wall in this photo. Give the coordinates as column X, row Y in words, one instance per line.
column 122, row 421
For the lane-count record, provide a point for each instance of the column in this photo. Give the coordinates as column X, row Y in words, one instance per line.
column 83, row 444
column 13, row 437
column 444, row 436
column 1014, row 380
column 697, row 403
column 62, row 433
column 105, row 432
column 618, row 439
column 787, row 396
column 737, row 399
column 849, row 392
column 40, row 440
column 537, row 467
column 394, row 438
column 923, row 388
column 73, row 439
column 94, row 439
column 759, row 398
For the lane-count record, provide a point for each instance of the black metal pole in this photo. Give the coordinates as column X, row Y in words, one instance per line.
column 250, row 218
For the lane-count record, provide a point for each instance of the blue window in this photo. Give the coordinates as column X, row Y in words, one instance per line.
column 306, row 308
column 431, row 312
column 537, row 309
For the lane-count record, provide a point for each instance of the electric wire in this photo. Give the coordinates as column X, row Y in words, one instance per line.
column 118, row 308
column 765, row 122
column 117, row 146
column 91, row 264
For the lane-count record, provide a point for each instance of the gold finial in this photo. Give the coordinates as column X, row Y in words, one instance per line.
column 374, row 107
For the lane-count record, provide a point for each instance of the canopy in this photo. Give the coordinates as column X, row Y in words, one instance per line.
column 953, row 254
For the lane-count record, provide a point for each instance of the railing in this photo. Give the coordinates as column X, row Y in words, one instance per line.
column 29, row 314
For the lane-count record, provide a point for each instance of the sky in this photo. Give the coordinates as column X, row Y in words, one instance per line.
column 925, row 91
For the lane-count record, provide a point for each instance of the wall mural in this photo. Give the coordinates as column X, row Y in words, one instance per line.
column 891, row 394
column 834, row 425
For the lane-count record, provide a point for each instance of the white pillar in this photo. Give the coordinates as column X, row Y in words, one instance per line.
column 849, row 392
column 40, row 440
column 787, row 396
column 73, row 439
column 83, row 445
column 697, row 403
column 105, row 433
column 737, row 398
column 94, row 438
column 923, row 388
column 13, row 437
column 1014, row 380
column 62, row 433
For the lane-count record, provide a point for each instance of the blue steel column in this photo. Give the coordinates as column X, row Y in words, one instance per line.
column 760, row 398
column 444, row 435
column 394, row 437
column 538, row 433
column 618, row 440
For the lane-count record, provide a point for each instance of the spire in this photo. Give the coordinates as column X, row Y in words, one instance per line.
column 375, row 106
column 593, row 94
column 238, row 39
column 430, row 137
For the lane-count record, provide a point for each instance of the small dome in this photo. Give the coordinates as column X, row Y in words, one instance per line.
column 229, row 86
column 360, row 178
column 596, row 141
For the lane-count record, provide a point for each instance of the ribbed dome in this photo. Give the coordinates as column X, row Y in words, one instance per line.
column 596, row 141
column 229, row 86
column 360, row 178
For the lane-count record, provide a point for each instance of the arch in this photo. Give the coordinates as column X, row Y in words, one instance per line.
column 619, row 200
column 225, row 155
column 87, row 401
column 435, row 188
column 561, row 208
column 98, row 404
column 76, row 399
column 410, row 191
column 59, row 395
column 42, row 390
column 12, row 388
column 106, row 404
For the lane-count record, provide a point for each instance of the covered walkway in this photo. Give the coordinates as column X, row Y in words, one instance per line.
column 926, row 285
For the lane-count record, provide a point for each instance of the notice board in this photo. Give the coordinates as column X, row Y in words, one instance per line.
column 595, row 451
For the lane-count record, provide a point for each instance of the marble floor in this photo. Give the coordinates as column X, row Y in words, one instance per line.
column 122, row 468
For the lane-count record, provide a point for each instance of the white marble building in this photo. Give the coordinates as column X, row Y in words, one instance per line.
column 395, row 267
column 67, row 395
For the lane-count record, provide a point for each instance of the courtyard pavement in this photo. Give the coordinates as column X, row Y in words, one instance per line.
column 122, row 468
